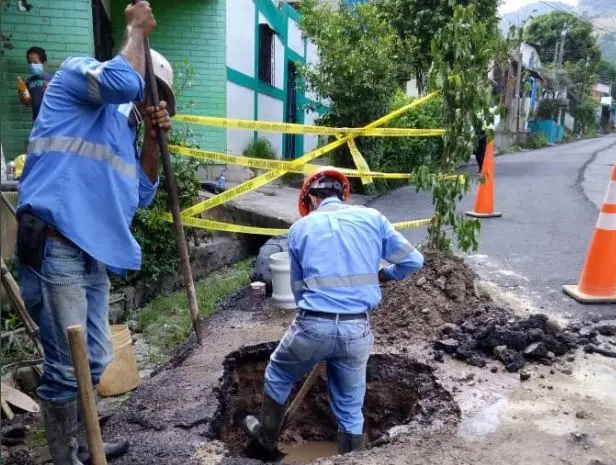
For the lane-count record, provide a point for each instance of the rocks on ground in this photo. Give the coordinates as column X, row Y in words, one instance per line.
column 441, row 304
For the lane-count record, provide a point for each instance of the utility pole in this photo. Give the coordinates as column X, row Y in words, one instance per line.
column 583, row 96
column 556, row 48
column 561, row 54
column 516, row 95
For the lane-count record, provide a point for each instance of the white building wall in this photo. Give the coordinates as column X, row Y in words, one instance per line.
column 312, row 58
column 310, row 142
column 271, row 109
column 294, row 38
column 529, row 52
column 241, row 36
column 240, row 104
column 278, row 63
column 569, row 122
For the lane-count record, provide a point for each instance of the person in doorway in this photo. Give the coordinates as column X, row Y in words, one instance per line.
column 82, row 182
column 38, row 81
column 335, row 252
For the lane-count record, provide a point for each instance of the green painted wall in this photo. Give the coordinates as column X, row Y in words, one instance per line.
column 62, row 28
column 191, row 31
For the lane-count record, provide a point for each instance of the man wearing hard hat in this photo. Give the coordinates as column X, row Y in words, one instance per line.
column 82, row 182
column 335, row 252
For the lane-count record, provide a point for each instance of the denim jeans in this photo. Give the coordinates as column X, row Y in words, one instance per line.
column 71, row 289
column 344, row 345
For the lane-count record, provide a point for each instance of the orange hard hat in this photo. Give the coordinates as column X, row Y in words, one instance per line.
column 320, row 179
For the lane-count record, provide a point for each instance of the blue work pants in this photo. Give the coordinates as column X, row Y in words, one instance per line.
column 344, row 345
column 70, row 289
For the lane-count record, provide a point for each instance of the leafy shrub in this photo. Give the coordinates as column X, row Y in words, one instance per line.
column 260, row 148
column 548, row 109
column 536, row 141
column 156, row 236
column 406, row 154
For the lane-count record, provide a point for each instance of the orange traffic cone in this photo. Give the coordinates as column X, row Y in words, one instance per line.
column 484, row 201
column 598, row 279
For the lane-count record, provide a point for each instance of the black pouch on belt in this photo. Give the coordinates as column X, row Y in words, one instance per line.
column 31, row 236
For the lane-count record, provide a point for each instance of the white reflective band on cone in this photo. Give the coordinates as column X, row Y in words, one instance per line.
column 607, row 221
column 610, row 197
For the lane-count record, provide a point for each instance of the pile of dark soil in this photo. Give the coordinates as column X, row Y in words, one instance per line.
column 443, row 291
column 495, row 333
column 441, row 304
column 399, row 391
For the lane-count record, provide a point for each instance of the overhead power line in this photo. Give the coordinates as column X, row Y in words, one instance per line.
column 581, row 18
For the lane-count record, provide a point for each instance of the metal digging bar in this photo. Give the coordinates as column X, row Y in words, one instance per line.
column 174, row 204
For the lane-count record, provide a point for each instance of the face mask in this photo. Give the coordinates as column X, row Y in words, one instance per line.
column 35, row 68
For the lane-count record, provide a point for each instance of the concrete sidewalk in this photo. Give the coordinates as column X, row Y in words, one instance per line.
column 272, row 206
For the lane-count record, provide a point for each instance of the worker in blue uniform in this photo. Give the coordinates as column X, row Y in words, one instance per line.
column 335, row 252
column 82, row 182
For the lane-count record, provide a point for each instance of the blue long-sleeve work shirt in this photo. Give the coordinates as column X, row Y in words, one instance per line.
column 335, row 255
column 82, row 174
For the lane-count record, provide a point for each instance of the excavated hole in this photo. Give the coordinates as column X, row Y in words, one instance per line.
column 400, row 391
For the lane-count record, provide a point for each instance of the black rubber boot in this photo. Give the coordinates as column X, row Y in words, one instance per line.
column 267, row 430
column 113, row 449
column 350, row 442
column 60, row 426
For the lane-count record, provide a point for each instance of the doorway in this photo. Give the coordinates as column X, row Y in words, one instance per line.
column 103, row 40
column 291, row 111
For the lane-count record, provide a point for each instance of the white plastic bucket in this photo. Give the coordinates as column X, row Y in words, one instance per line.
column 282, row 295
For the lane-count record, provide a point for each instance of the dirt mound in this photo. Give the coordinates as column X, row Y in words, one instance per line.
column 443, row 291
column 441, row 304
column 400, row 391
column 495, row 333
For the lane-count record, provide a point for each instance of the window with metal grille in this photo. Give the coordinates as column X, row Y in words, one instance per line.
column 266, row 54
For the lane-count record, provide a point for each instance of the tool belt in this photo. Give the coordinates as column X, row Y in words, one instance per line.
column 334, row 316
column 32, row 233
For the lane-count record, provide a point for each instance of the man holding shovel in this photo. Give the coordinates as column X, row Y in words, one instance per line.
column 335, row 252
column 82, row 182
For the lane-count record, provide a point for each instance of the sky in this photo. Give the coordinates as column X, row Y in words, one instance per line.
column 512, row 5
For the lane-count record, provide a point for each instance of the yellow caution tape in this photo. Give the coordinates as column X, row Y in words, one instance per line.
column 259, row 163
column 228, row 227
column 236, row 228
column 262, row 164
column 294, row 128
column 360, row 162
column 263, row 179
column 413, row 224
column 259, row 181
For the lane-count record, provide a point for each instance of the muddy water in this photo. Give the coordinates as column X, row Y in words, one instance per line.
column 298, row 454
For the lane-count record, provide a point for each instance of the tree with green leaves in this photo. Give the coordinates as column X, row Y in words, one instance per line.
column 462, row 52
column 416, row 22
column 357, row 67
column 546, row 31
column 606, row 73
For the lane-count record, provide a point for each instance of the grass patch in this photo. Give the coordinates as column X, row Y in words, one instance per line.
column 166, row 320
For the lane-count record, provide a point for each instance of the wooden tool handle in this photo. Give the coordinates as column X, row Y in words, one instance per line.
column 172, row 195
column 297, row 401
column 77, row 342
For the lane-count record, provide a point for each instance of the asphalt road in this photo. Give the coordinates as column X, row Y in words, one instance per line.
column 549, row 199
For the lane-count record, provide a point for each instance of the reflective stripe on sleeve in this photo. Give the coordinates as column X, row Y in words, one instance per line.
column 93, row 89
column 401, row 253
